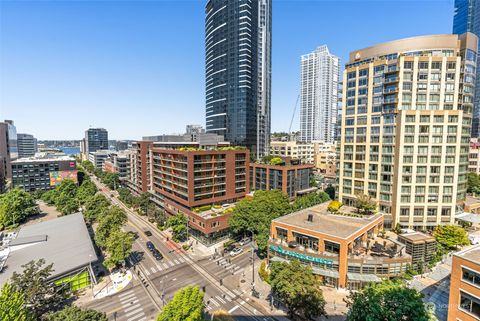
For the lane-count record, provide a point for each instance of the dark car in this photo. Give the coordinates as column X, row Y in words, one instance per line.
column 157, row 255
column 147, row 233
column 150, row 246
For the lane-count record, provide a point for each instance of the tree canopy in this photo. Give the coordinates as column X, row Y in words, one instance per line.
column 87, row 190
column 297, row 287
column 473, row 183
column 255, row 214
column 12, row 305
column 119, row 246
column 365, row 204
column 110, row 221
column 74, row 313
column 309, row 200
column 94, row 206
column 186, row 305
column 15, row 206
column 451, row 236
column 386, row 301
column 88, row 166
column 178, row 223
column 41, row 296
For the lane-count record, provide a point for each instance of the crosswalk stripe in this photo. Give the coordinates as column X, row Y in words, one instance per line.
column 159, row 267
column 127, row 304
column 127, row 297
column 220, row 299
column 228, row 298
column 176, row 262
column 125, row 293
column 230, row 294
column 133, row 312
column 132, row 307
column 147, row 272
column 214, row 302
column 181, row 259
column 153, row 269
column 137, row 316
column 171, row 263
column 165, row 265
column 238, row 271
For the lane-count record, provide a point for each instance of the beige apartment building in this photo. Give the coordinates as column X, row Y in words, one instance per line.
column 474, row 156
column 321, row 154
column 406, row 127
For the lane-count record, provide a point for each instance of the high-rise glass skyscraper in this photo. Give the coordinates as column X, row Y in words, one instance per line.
column 467, row 18
column 318, row 95
column 238, row 71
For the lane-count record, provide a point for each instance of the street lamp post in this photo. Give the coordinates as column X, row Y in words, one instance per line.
column 253, row 262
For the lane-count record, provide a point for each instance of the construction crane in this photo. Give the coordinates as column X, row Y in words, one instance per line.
column 293, row 116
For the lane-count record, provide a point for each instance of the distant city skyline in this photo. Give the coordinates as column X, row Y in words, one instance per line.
column 137, row 68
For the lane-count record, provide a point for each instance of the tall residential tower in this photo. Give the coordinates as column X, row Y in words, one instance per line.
column 406, row 127
column 238, row 71
column 467, row 19
column 318, row 95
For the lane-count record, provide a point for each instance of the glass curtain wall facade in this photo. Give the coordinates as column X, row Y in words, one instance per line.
column 467, row 19
column 318, row 96
column 238, row 72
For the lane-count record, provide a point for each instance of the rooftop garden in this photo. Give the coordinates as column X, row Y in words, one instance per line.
column 271, row 160
column 215, row 209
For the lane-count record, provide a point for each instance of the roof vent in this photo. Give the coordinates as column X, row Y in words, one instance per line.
column 310, row 217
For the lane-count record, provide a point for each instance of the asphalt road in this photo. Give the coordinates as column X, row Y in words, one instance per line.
column 155, row 282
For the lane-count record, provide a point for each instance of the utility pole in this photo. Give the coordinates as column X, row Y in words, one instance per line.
column 253, row 262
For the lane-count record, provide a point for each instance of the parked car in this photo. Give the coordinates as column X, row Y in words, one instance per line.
column 244, row 241
column 147, row 233
column 236, row 251
column 229, row 248
column 150, row 246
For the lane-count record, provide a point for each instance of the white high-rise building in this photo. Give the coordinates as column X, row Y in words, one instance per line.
column 319, row 95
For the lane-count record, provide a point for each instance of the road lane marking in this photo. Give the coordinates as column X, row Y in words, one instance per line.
column 128, row 297
column 233, row 309
column 133, row 312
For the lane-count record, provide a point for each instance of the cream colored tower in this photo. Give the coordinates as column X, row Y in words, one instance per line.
column 406, row 126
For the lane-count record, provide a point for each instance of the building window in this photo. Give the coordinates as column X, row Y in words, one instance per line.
column 470, row 304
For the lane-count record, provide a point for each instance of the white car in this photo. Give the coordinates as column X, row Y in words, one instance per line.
column 236, row 251
column 244, row 241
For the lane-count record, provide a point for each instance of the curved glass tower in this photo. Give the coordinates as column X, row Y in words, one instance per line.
column 238, row 71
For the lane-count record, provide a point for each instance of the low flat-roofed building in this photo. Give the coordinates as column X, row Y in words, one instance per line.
column 343, row 248
column 471, row 204
column 464, row 299
column 291, row 177
column 63, row 241
column 43, row 172
column 420, row 246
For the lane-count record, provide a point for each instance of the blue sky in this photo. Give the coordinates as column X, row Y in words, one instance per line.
column 137, row 67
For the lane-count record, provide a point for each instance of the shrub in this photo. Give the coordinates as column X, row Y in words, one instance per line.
column 276, row 161
column 263, row 273
column 185, row 247
column 216, row 206
column 334, row 206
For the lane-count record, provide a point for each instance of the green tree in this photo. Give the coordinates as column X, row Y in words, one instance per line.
column 69, row 206
column 186, row 305
column 118, row 247
column 298, row 288
column 16, row 206
column 256, row 214
column 87, row 190
column 386, row 301
column 310, row 200
column 451, row 236
column 88, row 166
column 142, row 202
column 110, row 221
column 178, row 223
column 12, row 305
column 330, row 190
column 94, row 207
column 49, row 197
column 276, row 161
column 41, row 296
column 125, row 196
column 112, row 180
column 74, row 313
column 473, row 183
column 365, row 204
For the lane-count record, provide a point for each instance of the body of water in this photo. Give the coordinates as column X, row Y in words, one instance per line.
column 71, row 150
